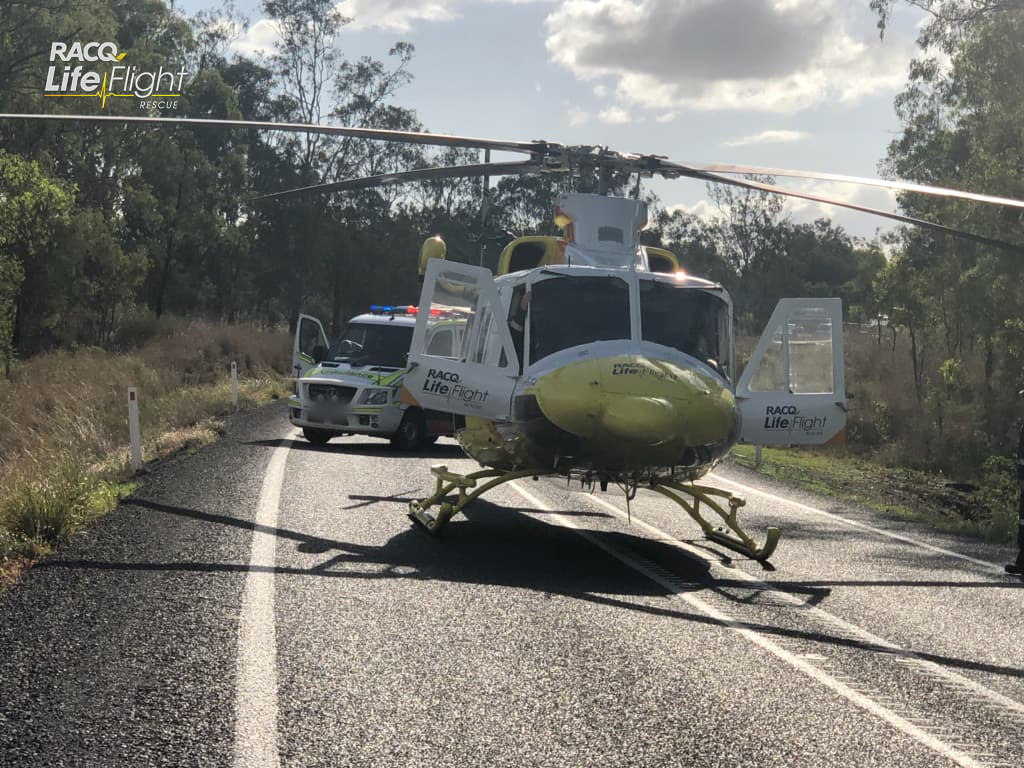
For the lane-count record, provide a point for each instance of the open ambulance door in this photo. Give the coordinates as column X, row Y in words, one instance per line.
column 309, row 334
column 477, row 377
column 792, row 391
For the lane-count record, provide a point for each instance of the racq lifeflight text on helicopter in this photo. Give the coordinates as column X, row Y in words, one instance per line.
column 595, row 358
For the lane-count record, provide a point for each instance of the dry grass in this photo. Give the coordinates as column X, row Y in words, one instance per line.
column 63, row 417
column 986, row 510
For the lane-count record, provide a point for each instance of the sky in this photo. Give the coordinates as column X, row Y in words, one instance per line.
column 802, row 84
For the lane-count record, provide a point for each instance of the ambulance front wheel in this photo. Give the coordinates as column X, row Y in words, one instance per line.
column 316, row 436
column 412, row 432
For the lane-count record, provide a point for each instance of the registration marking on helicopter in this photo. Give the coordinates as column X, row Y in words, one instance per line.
column 862, row 700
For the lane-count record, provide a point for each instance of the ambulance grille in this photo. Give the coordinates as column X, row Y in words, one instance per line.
column 329, row 393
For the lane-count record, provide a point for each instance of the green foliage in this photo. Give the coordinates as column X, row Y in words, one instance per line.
column 32, row 206
column 43, row 512
column 999, row 497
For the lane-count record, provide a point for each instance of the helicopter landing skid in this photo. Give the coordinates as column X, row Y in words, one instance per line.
column 733, row 537
column 466, row 485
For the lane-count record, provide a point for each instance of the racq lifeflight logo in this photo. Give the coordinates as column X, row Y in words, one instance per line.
column 70, row 76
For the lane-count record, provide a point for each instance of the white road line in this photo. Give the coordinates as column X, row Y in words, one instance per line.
column 855, row 697
column 995, row 698
column 863, row 526
column 256, row 675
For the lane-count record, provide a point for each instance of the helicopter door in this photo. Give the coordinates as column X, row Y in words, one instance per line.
column 309, row 334
column 476, row 377
column 792, row 391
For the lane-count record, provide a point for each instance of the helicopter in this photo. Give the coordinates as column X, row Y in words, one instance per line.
column 592, row 357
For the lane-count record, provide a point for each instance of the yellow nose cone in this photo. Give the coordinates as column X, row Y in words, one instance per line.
column 634, row 401
column 647, row 420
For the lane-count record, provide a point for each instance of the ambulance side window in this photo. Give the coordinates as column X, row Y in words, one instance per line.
column 441, row 344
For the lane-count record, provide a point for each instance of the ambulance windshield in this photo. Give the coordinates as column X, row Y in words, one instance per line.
column 372, row 344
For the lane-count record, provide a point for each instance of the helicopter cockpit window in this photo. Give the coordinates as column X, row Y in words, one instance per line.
column 569, row 311
column 692, row 321
column 609, row 234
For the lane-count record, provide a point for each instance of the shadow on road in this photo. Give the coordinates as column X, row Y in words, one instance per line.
column 500, row 546
column 380, row 447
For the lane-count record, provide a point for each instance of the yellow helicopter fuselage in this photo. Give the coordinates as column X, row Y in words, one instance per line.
column 655, row 400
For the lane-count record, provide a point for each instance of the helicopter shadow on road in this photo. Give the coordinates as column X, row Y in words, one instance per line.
column 499, row 546
column 372, row 448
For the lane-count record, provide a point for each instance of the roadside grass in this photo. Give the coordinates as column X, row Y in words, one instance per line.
column 985, row 509
column 63, row 416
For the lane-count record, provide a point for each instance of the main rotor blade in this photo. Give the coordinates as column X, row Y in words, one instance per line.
column 900, row 186
column 750, row 184
column 379, row 134
column 420, row 174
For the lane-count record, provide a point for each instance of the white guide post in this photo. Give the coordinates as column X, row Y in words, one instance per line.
column 234, row 385
column 134, row 435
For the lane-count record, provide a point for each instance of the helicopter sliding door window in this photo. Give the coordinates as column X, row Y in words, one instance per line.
column 475, row 377
column 570, row 311
column 792, row 390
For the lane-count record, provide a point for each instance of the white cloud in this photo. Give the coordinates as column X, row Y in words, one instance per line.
column 766, row 137
column 259, row 39
column 389, row 15
column 806, row 211
column 576, row 115
column 702, row 209
column 395, row 15
column 667, row 117
column 872, row 197
column 613, row 116
column 763, row 55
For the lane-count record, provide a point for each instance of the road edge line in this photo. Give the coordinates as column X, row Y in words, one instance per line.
column 256, row 672
column 994, row 698
column 988, row 565
column 856, row 698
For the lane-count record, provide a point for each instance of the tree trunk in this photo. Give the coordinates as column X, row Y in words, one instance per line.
column 913, row 357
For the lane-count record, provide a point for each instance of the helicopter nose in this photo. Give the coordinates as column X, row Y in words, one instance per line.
column 637, row 401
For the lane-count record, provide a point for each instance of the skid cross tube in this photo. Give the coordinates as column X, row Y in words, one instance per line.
column 738, row 540
column 447, row 482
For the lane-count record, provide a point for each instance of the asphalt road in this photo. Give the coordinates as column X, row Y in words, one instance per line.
column 264, row 602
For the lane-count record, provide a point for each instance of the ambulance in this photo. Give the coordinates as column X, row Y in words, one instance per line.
column 352, row 387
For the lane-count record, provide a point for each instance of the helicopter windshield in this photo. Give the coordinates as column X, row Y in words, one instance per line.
column 372, row 344
column 693, row 321
column 569, row 311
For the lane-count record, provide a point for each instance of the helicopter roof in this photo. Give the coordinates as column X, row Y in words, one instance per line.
column 682, row 279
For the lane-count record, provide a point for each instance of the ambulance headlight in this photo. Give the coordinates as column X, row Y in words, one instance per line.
column 377, row 396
